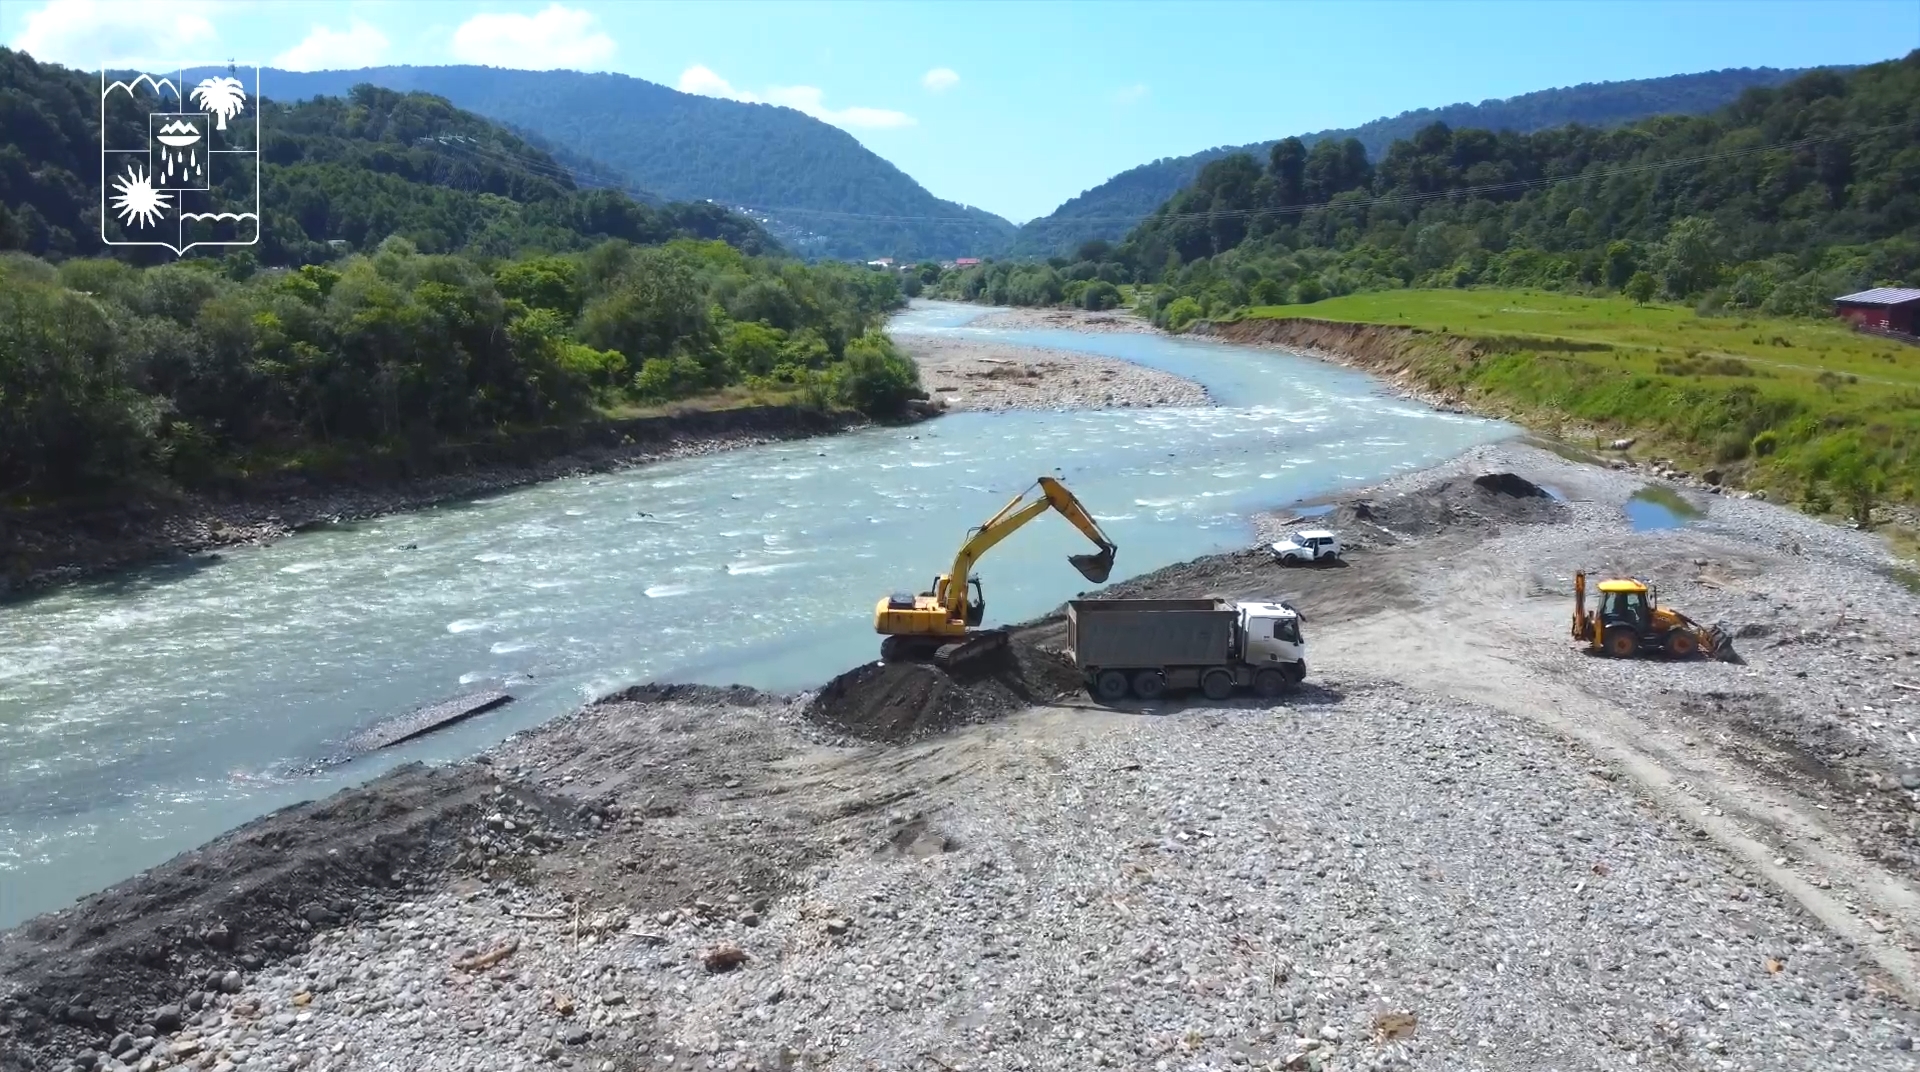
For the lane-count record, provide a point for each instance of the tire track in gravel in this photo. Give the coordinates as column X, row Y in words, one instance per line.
column 1464, row 660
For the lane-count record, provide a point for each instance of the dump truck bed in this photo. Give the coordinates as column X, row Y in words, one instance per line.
column 1138, row 633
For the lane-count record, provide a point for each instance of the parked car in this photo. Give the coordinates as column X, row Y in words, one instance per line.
column 1305, row 546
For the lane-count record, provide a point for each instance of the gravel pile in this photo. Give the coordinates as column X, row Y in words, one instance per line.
column 1240, row 887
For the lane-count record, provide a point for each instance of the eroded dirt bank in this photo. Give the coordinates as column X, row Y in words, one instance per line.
column 1461, row 844
column 1386, row 351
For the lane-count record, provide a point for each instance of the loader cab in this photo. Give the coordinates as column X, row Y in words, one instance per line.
column 1626, row 603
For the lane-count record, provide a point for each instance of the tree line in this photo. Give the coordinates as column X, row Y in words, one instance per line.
column 1774, row 204
column 422, row 277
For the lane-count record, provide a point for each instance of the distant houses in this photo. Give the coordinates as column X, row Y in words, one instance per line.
column 1882, row 311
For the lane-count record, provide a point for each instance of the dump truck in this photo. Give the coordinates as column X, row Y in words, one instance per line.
column 1150, row 647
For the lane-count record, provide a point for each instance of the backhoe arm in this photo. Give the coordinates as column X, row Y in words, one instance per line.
column 1016, row 513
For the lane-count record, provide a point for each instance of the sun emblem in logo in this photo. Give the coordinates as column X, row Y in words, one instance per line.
column 135, row 198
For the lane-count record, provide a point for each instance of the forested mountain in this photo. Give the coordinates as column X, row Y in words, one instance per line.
column 1777, row 202
column 478, row 293
column 1112, row 208
column 812, row 181
column 352, row 171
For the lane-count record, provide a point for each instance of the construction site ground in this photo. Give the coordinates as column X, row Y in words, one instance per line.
column 1462, row 844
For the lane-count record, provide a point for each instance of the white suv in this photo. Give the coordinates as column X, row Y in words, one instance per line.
column 1304, row 546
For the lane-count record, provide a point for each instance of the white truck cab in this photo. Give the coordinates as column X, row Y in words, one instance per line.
column 1305, row 545
column 1272, row 635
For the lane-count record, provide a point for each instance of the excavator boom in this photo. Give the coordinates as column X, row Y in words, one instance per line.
column 940, row 618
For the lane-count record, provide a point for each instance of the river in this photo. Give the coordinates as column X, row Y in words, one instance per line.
column 143, row 715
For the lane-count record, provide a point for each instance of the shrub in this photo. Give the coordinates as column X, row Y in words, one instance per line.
column 1181, row 313
column 1765, row 443
column 876, row 378
column 1100, row 295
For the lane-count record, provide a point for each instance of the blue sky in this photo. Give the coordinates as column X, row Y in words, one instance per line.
column 1014, row 107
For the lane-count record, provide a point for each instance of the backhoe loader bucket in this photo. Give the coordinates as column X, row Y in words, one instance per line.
column 1094, row 567
column 1718, row 644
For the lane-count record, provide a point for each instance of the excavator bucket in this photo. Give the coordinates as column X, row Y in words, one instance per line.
column 1094, row 567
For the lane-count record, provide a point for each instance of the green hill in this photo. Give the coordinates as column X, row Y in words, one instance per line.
column 1110, row 209
column 812, row 182
column 339, row 174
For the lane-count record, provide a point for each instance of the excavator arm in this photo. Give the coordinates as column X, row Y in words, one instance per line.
column 1053, row 495
column 942, row 619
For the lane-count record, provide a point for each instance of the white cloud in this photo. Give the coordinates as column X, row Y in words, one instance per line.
column 699, row 80
column 325, row 49
column 807, row 99
column 89, row 34
column 940, row 78
column 556, row 37
column 1131, row 94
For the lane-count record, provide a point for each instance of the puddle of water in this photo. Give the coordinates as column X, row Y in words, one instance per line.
column 1654, row 508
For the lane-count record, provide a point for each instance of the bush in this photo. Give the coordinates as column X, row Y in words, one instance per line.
column 1765, row 443
column 876, row 378
column 1100, row 295
column 1182, row 312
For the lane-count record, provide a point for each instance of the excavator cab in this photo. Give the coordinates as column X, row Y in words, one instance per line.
column 941, row 622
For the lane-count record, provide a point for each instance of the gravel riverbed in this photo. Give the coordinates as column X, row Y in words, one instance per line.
column 978, row 374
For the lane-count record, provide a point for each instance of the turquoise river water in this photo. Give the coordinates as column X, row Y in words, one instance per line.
column 143, row 715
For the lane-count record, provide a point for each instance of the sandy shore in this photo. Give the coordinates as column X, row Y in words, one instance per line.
column 1113, row 320
column 1460, row 844
column 972, row 374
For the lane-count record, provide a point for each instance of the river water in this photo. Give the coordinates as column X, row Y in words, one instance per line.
column 141, row 716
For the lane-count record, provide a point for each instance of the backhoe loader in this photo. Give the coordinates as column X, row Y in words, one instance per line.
column 942, row 622
column 1630, row 622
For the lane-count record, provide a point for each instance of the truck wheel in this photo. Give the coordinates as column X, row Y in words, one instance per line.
column 1149, row 684
column 1110, row 686
column 1217, row 684
column 1296, row 672
column 1269, row 683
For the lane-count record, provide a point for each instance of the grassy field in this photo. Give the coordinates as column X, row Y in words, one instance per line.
column 1808, row 410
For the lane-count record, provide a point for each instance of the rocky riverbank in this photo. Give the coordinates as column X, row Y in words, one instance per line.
column 971, row 373
column 1462, row 844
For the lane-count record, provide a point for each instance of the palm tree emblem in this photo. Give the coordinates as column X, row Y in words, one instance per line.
column 224, row 97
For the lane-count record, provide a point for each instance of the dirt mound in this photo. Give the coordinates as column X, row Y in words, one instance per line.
column 1485, row 502
column 1511, row 484
column 246, row 899
column 898, row 702
column 700, row 695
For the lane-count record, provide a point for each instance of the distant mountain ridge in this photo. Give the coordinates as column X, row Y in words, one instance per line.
column 1110, row 209
column 814, row 185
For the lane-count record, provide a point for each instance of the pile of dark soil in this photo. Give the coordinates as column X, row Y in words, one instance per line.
column 1487, row 501
column 249, row 898
column 898, row 702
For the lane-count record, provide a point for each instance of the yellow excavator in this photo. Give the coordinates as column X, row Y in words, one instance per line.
column 942, row 622
column 1630, row 621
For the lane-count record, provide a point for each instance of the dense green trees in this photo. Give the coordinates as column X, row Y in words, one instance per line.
column 1777, row 203
column 1110, row 209
column 490, row 295
column 109, row 371
column 340, row 174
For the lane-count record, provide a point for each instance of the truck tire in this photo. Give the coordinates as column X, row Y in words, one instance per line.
column 1217, row 684
column 1149, row 684
column 1296, row 672
column 1110, row 686
column 1269, row 683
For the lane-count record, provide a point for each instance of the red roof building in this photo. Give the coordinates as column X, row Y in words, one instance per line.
column 1880, row 309
column 965, row 262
